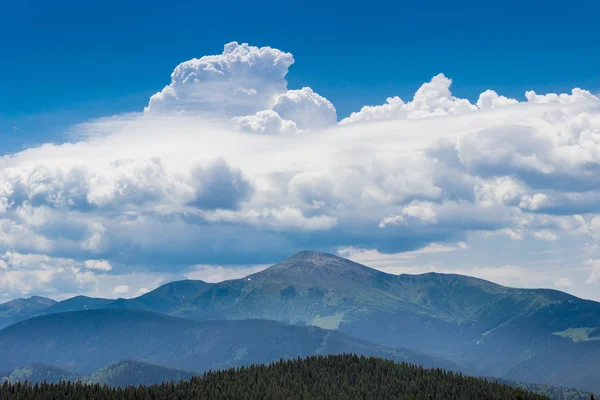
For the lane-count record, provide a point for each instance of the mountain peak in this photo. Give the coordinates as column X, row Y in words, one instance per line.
column 313, row 257
column 313, row 262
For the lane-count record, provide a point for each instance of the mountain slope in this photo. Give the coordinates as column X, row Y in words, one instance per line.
column 166, row 299
column 40, row 373
column 136, row 373
column 495, row 330
column 77, row 303
column 85, row 341
column 20, row 309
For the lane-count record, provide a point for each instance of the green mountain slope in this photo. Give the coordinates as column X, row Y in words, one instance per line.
column 20, row 309
column 521, row 334
column 85, row 341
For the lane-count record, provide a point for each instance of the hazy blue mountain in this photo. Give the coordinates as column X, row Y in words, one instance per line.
column 85, row 341
column 135, row 373
column 168, row 298
column 553, row 392
column 77, row 303
column 39, row 373
column 535, row 335
column 119, row 374
column 20, row 309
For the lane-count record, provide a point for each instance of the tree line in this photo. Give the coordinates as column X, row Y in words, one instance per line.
column 333, row 377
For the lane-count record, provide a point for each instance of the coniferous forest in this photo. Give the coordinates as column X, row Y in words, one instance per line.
column 317, row 377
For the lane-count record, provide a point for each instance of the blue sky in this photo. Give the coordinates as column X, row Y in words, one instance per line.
column 69, row 61
column 477, row 154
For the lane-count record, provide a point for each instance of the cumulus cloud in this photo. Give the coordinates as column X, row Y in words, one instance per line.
column 101, row 265
column 242, row 80
column 121, row 289
column 266, row 122
column 247, row 84
column 218, row 186
column 59, row 277
column 432, row 99
column 214, row 172
column 491, row 99
column 306, row 108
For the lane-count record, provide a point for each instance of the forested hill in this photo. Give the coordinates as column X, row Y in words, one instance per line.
column 317, row 377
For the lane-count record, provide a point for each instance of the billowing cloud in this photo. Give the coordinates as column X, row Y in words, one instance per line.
column 57, row 277
column 306, row 109
column 218, row 186
column 266, row 122
column 242, row 80
column 246, row 83
column 432, row 99
column 190, row 182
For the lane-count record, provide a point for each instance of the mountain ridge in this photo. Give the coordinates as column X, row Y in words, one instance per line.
column 84, row 341
column 492, row 329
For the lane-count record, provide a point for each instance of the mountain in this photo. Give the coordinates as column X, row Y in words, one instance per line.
column 331, row 377
column 39, row 373
column 553, row 392
column 20, row 309
column 77, row 303
column 534, row 335
column 166, row 299
column 85, row 341
column 136, row 373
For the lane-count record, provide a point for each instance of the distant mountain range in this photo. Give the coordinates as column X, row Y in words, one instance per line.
column 538, row 335
column 119, row 374
column 84, row 341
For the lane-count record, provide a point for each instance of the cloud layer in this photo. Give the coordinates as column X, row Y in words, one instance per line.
column 227, row 165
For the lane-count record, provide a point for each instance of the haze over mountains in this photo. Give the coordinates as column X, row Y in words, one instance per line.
column 335, row 305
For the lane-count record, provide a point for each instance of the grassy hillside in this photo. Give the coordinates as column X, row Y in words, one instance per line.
column 330, row 377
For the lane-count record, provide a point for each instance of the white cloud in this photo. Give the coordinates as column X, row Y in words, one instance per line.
column 491, row 99
column 563, row 284
column 242, row 80
column 184, row 183
column 219, row 273
column 59, row 278
column 545, row 235
column 306, row 108
column 594, row 270
column 121, row 289
column 266, row 122
column 432, row 99
column 100, row 265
